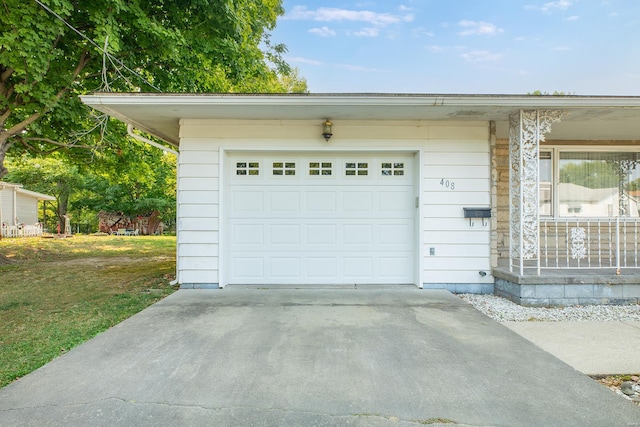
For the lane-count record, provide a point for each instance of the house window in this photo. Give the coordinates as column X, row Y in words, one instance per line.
column 597, row 184
column 247, row 168
column 546, row 186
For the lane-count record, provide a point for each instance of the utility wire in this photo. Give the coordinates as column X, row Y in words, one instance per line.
column 111, row 57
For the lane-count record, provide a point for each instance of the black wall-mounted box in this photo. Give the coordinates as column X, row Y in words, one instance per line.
column 477, row 212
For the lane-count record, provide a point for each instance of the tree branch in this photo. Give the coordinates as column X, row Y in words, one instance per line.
column 4, row 76
column 59, row 144
column 19, row 127
column 4, row 116
column 37, row 150
column 12, row 131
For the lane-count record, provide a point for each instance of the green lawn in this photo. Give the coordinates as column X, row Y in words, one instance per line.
column 58, row 293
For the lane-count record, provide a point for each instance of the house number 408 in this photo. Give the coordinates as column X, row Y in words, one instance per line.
column 448, row 184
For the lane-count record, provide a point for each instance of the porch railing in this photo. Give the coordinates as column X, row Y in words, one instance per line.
column 589, row 242
column 22, row 230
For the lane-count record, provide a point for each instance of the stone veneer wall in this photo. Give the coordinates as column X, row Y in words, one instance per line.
column 567, row 290
column 500, row 199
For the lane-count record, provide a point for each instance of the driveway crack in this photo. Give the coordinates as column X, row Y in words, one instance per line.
column 427, row 421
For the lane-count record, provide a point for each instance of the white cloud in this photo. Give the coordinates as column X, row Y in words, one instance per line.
column 478, row 28
column 436, row 48
column 422, row 32
column 573, row 18
column 323, row 32
column 301, row 60
column 481, row 56
column 561, row 48
column 556, row 5
column 331, row 14
column 358, row 68
column 551, row 6
column 366, row 32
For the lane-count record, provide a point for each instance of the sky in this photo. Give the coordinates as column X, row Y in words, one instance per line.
column 581, row 47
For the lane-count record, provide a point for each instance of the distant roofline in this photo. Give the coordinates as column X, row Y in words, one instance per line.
column 20, row 189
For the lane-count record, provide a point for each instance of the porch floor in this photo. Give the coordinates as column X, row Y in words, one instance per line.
column 563, row 287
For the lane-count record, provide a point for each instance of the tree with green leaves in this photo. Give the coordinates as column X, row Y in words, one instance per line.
column 555, row 93
column 49, row 175
column 136, row 179
column 53, row 50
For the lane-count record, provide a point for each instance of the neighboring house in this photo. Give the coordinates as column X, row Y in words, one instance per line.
column 458, row 192
column 19, row 210
column 582, row 201
column 119, row 223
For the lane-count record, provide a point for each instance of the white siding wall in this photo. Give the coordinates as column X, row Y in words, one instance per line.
column 6, row 199
column 27, row 208
column 455, row 152
column 456, row 174
column 198, row 207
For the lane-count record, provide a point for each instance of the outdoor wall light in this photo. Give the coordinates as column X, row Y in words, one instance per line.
column 326, row 130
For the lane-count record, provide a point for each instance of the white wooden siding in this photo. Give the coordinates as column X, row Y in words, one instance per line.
column 198, row 207
column 453, row 151
column 456, row 174
column 6, row 199
column 27, row 208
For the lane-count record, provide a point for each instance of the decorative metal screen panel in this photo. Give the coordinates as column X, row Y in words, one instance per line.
column 526, row 131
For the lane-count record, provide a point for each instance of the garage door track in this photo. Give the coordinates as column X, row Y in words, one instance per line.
column 323, row 357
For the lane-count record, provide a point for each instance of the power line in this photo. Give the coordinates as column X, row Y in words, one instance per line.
column 104, row 52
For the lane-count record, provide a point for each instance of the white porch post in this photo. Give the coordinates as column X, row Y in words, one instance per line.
column 527, row 129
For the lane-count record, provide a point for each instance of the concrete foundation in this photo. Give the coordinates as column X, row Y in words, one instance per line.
column 568, row 287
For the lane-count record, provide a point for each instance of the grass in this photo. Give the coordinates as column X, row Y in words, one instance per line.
column 58, row 293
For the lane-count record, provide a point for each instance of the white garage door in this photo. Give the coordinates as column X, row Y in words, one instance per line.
column 300, row 218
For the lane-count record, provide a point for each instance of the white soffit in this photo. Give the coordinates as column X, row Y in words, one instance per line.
column 588, row 117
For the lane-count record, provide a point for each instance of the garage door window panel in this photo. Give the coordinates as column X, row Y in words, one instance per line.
column 320, row 168
column 392, row 169
column 284, row 168
column 356, row 169
column 247, row 168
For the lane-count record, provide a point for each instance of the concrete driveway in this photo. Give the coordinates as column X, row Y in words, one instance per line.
column 313, row 357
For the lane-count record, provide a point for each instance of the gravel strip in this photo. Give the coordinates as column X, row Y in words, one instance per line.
column 503, row 310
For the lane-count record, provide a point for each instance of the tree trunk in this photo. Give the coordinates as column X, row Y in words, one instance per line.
column 61, row 211
column 4, row 147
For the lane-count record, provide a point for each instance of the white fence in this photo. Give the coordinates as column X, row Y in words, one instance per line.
column 589, row 242
column 22, row 230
